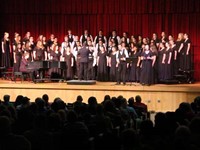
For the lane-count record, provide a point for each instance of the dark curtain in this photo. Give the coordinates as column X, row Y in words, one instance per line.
column 134, row 16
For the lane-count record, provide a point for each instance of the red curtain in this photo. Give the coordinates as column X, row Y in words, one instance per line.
column 134, row 16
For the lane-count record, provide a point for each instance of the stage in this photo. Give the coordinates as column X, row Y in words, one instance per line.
column 159, row 97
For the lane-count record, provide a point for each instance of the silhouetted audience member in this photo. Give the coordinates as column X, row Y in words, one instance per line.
column 45, row 97
column 130, row 140
column 92, row 104
column 10, row 141
column 75, row 134
column 6, row 100
column 39, row 137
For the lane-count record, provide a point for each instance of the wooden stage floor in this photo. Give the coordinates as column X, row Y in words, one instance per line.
column 159, row 97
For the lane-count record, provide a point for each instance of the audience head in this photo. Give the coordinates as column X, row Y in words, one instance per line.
column 138, row 99
column 6, row 98
column 5, row 126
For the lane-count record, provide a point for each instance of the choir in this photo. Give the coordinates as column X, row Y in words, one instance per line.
column 117, row 59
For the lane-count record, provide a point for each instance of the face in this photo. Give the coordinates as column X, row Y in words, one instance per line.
column 69, row 32
column 100, row 32
column 86, row 32
column 185, row 36
column 113, row 49
column 66, row 39
column 6, row 35
column 28, row 34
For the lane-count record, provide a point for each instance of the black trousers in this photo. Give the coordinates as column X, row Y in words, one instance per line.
column 83, row 70
column 121, row 72
column 90, row 73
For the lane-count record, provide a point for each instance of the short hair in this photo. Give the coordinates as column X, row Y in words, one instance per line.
column 138, row 98
column 6, row 98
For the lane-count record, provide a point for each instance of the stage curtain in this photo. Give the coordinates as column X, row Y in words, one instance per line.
column 136, row 17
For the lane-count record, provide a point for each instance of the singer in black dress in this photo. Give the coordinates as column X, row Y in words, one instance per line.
column 102, row 63
column 68, row 58
column 147, row 74
column 160, row 62
column 6, row 51
column 113, row 64
column 17, row 57
column 187, row 53
column 167, row 62
column 134, row 64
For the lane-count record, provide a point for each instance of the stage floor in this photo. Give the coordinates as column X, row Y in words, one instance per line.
column 158, row 97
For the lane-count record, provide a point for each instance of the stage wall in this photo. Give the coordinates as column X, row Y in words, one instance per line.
column 134, row 16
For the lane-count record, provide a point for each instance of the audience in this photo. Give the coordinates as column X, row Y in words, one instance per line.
column 113, row 124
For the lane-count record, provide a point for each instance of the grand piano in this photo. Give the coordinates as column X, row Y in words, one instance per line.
column 43, row 66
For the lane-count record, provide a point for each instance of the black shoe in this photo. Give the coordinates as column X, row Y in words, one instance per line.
column 118, row 83
column 124, row 83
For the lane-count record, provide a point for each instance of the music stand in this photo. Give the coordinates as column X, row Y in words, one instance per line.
column 130, row 60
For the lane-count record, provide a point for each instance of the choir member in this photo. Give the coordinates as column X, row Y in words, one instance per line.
column 50, row 41
column 76, row 55
column 91, row 61
column 156, row 39
column 167, row 60
column 139, row 42
column 39, row 53
column 160, row 62
column 70, row 36
column 134, row 64
column 83, row 54
column 17, row 39
column 55, row 55
column 163, row 38
column 148, row 60
column 113, row 64
column 69, row 59
column 73, row 44
column 125, row 39
column 170, row 38
column 99, row 45
column 26, row 38
column 101, row 37
column 102, row 63
column 65, row 44
column 115, row 37
column 29, row 50
column 40, row 38
column 6, row 51
column 86, row 37
column 174, row 57
column 121, row 63
column 17, row 57
column 187, row 53
column 179, row 44
column 133, row 40
column 109, row 47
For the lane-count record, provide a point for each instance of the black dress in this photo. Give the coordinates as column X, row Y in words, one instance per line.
column 186, row 58
column 5, row 57
column 113, row 68
column 134, row 69
column 180, row 55
column 102, row 73
column 174, row 60
column 18, row 58
column 160, row 65
column 69, row 70
column 54, row 71
column 168, row 66
column 146, row 77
